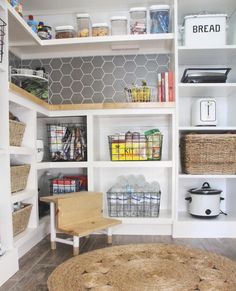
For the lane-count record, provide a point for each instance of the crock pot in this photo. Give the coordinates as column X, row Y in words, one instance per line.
column 204, row 201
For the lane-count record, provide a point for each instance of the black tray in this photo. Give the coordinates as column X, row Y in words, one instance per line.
column 205, row 75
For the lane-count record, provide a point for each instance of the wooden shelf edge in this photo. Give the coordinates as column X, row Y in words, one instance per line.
column 23, row 93
column 61, row 107
column 112, row 106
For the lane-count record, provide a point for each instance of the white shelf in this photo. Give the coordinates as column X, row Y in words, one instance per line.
column 58, row 165
column 188, row 176
column 164, row 218
column 23, row 77
column 26, row 44
column 22, row 195
column 186, row 217
column 207, row 128
column 21, row 150
column 207, row 89
column 134, row 164
column 207, row 56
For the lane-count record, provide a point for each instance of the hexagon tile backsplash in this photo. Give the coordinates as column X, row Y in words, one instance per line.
column 98, row 79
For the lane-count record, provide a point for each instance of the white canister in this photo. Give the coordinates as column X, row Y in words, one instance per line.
column 40, row 150
column 118, row 25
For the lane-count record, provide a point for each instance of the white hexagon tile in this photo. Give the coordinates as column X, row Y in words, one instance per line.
column 98, row 79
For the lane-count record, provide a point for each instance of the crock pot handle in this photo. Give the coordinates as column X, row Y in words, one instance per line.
column 222, row 198
column 205, row 185
column 188, row 199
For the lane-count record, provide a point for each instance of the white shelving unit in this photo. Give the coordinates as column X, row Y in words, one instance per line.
column 186, row 225
column 174, row 218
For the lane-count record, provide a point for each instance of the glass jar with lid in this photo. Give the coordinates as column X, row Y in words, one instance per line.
column 83, row 24
column 118, row 25
column 100, row 29
column 159, row 16
column 138, row 20
column 66, row 31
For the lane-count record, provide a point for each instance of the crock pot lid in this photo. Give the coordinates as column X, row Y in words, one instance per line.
column 205, row 190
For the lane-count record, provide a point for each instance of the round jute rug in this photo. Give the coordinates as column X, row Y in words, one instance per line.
column 145, row 267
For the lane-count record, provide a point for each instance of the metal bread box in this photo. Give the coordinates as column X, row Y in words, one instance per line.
column 205, row 30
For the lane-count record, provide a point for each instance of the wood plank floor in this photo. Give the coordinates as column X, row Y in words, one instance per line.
column 36, row 265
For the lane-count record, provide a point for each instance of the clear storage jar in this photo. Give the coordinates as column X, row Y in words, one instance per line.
column 66, row 31
column 84, row 25
column 138, row 20
column 100, row 29
column 118, row 25
column 159, row 16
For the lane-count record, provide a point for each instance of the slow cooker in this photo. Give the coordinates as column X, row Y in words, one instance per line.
column 204, row 201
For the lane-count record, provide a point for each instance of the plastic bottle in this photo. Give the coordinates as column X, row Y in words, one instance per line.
column 32, row 23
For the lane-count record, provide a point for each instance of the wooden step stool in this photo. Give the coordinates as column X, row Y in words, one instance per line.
column 78, row 214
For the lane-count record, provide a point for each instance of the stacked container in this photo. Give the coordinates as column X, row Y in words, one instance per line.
column 84, row 25
column 118, row 25
column 100, row 29
column 66, row 31
column 159, row 16
column 138, row 20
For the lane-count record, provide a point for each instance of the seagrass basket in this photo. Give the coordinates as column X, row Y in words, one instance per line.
column 16, row 132
column 20, row 219
column 19, row 177
column 208, row 153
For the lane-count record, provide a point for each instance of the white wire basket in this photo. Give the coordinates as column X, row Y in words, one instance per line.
column 141, row 94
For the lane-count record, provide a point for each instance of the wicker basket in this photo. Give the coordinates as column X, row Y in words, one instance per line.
column 19, row 177
column 16, row 133
column 208, row 153
column 20, row 219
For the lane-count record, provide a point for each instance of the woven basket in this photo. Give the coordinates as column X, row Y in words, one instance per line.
column 16, row 132
column 19, row 177
column 20, row 219
column 208, row 153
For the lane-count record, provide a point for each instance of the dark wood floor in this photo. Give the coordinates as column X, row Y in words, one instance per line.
column 37, row 264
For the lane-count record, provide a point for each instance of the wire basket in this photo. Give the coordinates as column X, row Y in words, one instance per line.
column 141, row 94
column 2, row 34
column 135, row 148
column 67, row 142
column 135, row 204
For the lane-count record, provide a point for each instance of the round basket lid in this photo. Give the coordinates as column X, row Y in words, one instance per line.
column 205, row 190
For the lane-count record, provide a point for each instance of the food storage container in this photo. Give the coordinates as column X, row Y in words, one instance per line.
column 45, row 32
column 100, row 29
column 205, row 30
column 66, row 31
column 159, row 16
column 138, row 20
column 84, row 25
column 118, row 25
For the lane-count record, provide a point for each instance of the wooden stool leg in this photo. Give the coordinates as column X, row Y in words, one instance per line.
column 109, row 236
column 53, row 226
column 53, row 245
column 76, row 245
